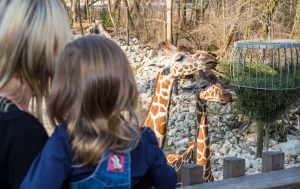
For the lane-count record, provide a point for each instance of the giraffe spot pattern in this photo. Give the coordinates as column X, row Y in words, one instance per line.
column 161, row 127
column 163, row 101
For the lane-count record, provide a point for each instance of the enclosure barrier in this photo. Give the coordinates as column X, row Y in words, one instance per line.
column 273, row 175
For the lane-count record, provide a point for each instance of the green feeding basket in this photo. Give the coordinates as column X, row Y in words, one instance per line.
column 266, row 77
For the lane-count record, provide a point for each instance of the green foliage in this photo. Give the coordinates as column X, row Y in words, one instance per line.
column 106, row 19
column 263, row 92
column 265, row 105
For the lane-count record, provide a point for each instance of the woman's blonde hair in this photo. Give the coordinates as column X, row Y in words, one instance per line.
column 93, row 87
column 32, row 34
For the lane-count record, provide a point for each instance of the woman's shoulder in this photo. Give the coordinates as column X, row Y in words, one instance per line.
column 15, row 123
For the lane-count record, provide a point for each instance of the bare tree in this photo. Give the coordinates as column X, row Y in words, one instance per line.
column 73, row 11
column 182, row 14
column 169, row 6
column 132, row 27
column 296, row 20
column 269, row 9
column 79, row 16
column 111, row 16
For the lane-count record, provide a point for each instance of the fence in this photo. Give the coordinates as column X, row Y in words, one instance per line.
column 273, row 175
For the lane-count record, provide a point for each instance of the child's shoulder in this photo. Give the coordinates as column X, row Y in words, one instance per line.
column 59, row 132
column 59, row 138
column 148, row 135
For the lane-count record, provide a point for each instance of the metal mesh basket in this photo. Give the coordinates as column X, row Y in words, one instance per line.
column 266, row 77
column 268, row 65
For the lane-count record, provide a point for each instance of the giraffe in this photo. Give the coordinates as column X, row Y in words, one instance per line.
column 181, row 63
column 208, row 89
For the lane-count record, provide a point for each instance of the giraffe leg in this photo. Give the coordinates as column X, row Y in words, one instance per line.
column 207, row 173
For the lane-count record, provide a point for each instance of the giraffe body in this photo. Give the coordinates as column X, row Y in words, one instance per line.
column 203, row 141
column 214, row 92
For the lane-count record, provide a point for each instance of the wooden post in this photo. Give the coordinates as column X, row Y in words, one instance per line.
column 233, row 167
column 272, row 161
column 127, row 26
column 192, row 174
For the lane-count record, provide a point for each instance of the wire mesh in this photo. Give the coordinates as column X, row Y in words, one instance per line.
column 267, row 65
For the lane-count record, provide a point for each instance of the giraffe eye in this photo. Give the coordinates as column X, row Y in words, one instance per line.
column 179, row 58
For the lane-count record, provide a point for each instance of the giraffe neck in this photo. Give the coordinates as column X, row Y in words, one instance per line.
column 203, row 150
column 157, row 115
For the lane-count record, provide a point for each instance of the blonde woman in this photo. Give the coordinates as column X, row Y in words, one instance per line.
column 32, row 34
column 97, row 146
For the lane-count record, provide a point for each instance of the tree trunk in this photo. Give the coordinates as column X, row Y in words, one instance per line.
column 224, row 21
column 259, row 139
column 115, row 10
column 134, row 8
column 169, row 6
column 127, row 25
column 233, row 30
column 200, row 10
column 73, row 11
column 111, row 16
column 192, row 11
column 79, row 16
column 129, row 16
column 145, row 21
column 88, row 13
column 296, row 21
column 179, row 21
column 115, row 5
column 165, row 23
column 182, row 13
column 269, row 9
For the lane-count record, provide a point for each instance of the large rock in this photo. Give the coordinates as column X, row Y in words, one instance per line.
column 290, row 148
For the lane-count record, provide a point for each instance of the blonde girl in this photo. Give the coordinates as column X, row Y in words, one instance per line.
column 99, row 143
column 31, row 38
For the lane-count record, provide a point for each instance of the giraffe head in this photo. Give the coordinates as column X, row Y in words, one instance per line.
column 209, row 88
column 184, row 61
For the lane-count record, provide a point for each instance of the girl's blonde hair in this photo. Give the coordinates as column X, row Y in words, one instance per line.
column 32, row 34
column 92, row 90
